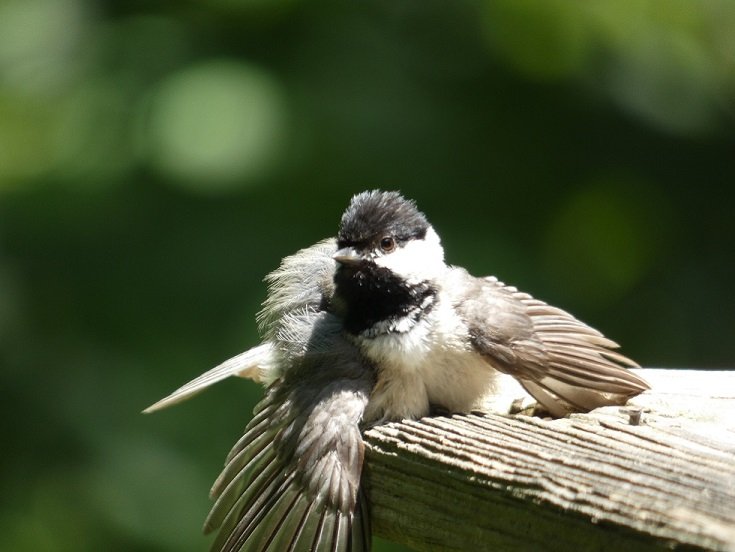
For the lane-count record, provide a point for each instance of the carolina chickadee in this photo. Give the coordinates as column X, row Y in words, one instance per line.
column 371, row 327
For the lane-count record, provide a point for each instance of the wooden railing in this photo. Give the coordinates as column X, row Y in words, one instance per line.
column 659, row 472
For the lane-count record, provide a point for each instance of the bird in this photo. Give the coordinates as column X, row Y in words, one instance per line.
column 373, row 326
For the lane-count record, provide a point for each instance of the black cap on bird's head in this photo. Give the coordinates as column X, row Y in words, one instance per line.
column 374, row 215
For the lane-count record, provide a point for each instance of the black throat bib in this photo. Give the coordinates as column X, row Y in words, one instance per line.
column 372, row 299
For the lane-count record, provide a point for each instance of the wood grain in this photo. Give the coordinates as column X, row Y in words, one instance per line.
column 589, row 482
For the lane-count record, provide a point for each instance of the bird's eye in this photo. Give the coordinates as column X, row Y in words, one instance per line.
column 387, row 244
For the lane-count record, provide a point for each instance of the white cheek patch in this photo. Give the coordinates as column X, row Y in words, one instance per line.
column 417, row 260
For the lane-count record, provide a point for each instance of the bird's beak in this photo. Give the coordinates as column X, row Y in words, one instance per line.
column 348, row 256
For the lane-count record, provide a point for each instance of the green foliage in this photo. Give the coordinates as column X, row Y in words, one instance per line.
column 158, row 158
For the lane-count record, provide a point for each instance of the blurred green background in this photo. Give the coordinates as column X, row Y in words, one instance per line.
column 158, row 158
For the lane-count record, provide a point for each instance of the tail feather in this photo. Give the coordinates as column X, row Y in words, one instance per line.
column 254, row 364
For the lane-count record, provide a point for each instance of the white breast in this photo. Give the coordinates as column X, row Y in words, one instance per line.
column 431, row 364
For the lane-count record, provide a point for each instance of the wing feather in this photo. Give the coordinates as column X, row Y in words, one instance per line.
column 251, row 523
column 562, row 362
column 293, row 481
column 252, row 476
column 361, row 530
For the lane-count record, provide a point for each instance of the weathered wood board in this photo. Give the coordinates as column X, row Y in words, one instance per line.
column 590, row 482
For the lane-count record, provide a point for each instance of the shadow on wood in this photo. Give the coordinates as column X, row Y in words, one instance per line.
column 589, row 482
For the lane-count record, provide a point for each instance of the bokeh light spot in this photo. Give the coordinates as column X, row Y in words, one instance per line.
column 39, row 42
column 216, row 126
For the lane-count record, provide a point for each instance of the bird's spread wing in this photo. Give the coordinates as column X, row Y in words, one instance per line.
column 292, row 482
column 564, row 364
